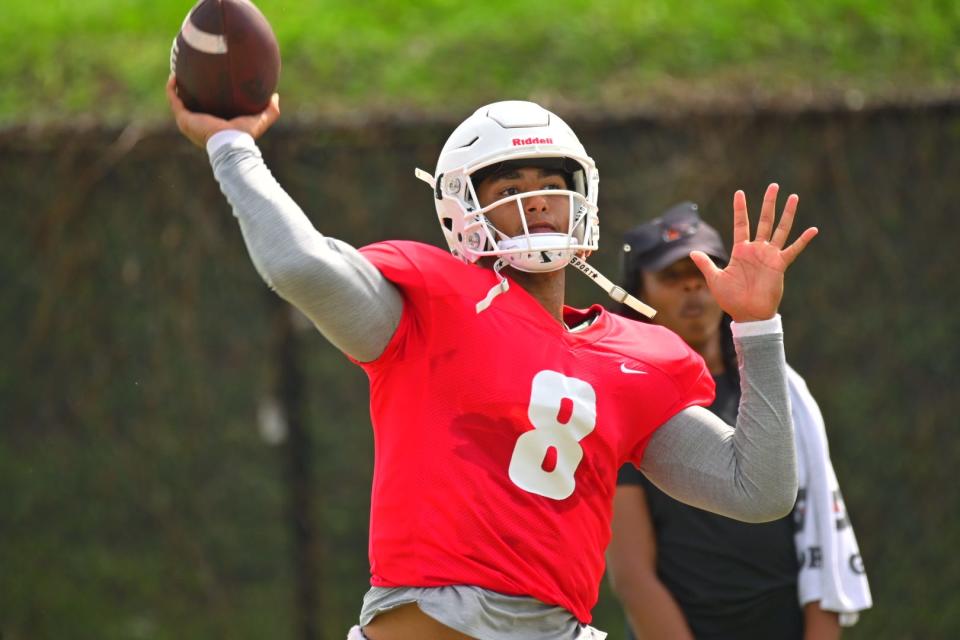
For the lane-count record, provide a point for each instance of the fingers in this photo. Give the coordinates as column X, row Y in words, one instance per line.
column 271, row 113
column 175, row 102
column 705, row 264
column 256, row 125
column 790, row 253
column 786, row 222
column 767, row 213
column 741, row 222
column 198, row 127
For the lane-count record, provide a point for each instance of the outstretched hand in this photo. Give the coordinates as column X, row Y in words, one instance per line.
column 751, row 285
column 198, row 127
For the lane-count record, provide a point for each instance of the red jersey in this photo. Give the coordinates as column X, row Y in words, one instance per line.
column 498, row 435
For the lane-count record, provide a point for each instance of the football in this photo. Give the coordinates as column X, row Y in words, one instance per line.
column 226, row 59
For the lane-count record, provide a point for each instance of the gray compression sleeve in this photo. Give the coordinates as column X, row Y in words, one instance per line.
column 342, row 293
column 748, row 473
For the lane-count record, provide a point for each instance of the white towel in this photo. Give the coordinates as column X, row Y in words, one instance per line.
column 831, row 568
column 356, row 633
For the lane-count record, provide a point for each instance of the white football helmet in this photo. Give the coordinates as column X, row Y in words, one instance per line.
column 505, row 132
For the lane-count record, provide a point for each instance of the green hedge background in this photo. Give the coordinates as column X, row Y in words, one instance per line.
column 147, row 494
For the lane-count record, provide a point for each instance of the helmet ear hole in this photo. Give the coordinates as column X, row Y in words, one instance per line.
column 447, row 223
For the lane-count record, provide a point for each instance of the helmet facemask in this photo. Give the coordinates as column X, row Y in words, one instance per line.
column 538, row 250
column 471, row 234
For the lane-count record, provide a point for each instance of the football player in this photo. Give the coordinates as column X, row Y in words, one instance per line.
column 500, row 415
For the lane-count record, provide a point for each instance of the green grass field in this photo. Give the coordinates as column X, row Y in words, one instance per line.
column 110, row 58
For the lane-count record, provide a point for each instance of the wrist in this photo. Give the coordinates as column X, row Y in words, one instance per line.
column 743, row 329
column 224, row 137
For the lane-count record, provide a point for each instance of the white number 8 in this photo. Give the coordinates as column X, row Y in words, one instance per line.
column 549, row 391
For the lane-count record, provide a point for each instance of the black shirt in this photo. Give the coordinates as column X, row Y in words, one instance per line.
column 731, row 579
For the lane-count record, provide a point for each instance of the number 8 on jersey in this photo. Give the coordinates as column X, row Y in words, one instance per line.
column 563, row 411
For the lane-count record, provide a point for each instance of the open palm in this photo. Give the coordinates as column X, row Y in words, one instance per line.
column 751, row 285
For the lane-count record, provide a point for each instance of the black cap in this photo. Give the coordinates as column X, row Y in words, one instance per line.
column 659, row 243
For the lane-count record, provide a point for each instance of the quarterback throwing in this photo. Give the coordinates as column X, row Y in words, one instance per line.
column 501, row 416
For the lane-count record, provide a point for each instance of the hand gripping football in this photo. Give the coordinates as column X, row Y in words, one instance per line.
column 226, row 59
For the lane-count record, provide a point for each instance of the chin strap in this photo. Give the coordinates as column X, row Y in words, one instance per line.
column 426, row 177
column 501, row 287
column 615, row 292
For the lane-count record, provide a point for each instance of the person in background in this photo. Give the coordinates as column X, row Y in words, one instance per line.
column 682, row 572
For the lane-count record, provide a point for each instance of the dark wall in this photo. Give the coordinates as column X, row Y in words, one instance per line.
column 144, row 498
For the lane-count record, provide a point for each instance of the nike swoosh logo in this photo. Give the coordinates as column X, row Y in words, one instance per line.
column 625, row 369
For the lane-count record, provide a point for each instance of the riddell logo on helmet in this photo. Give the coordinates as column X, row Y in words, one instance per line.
column 520, row 142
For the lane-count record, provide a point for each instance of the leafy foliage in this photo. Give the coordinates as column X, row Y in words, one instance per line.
column 109, row 58
column 141, row 499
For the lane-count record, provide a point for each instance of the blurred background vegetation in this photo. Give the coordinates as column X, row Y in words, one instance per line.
column 183, row 458
column 101, row 58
